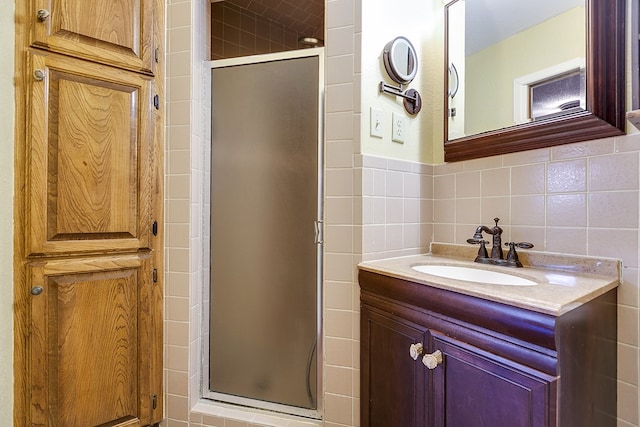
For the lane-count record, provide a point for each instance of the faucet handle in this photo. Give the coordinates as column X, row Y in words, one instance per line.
column 512, row 255
column 521, row 245
column 476, row 241
column 482, row 250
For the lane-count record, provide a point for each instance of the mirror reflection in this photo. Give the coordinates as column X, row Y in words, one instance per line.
column 516, row 61
column 403, row 59
column 400, row 60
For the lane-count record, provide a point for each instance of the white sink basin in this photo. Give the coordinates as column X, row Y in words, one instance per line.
column 476, row 275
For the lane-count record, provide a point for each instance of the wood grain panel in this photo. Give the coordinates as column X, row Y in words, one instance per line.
column 117, row 32
column 91, row 136
column 89, row 332
column 157, row 213
column 469, row 381
column 90, row 158
column 393, row 385
column 112, row 21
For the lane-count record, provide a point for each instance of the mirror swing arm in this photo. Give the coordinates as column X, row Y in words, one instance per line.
column 605, row 89
column 412, row 100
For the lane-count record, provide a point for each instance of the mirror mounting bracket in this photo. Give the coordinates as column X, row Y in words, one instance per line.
column 412, row 99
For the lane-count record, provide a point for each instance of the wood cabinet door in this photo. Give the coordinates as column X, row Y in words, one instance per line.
column 88, row 158
column 89, row 342
column 92, row 303
column 116, row 32
column 393, row 384
column 474, row 388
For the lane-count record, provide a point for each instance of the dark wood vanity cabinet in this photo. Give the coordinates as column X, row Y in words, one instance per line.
column 500, row 365
column 476, row 388
column 395, row 384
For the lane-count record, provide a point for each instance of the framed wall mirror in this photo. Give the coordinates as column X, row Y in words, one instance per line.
column 532, row 74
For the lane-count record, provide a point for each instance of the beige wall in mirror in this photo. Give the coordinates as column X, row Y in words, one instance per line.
column 494, row 80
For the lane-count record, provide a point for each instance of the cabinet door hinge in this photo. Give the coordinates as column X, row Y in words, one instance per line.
column 155, row 275
column 156, row 102
column 156, row 55
column 154, row 228
column 154, row 401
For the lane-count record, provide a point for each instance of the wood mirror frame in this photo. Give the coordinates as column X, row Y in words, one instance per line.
column 605, row 113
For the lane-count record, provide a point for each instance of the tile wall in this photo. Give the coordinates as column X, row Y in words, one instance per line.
column 342, row 239
column 397, row 207
column 238, row 32
column 184, row 205
column 579, row 198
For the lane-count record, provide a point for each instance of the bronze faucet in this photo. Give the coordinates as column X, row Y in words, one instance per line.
column 497, row 257
column 496, row 248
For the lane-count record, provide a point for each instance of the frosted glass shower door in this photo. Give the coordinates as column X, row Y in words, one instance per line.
column 265, row 167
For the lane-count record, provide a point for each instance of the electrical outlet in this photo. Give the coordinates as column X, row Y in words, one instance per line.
column 398, row 128
column 377, row 123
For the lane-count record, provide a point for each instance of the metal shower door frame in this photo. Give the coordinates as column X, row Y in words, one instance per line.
column 206, row 393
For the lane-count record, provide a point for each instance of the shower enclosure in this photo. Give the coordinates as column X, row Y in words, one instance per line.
column 266, row 232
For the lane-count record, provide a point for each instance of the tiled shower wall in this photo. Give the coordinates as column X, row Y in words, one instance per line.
column 184, row 205
column 238, row 32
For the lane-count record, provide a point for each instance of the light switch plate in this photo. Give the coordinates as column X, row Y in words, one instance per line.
column 398, row 128
column 377, row 123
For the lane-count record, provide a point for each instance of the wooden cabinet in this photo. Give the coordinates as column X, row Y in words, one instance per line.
column 477, row 388
column 88, row 213
column 90, row 142
column 500, row 365
column 115, row 32
column 88, row 250
column 395, row 384
column 89, row 343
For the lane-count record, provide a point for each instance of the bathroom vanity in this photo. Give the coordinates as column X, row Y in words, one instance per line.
column 437, row 351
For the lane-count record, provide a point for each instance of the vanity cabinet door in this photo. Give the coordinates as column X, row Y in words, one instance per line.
column 474, row 388
column 393, row 384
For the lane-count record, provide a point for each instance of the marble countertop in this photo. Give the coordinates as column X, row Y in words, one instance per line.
column 564, row 282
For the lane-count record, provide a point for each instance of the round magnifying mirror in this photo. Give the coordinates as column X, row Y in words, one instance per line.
column 400, row 60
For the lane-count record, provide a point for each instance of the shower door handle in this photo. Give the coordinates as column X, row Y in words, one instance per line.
column 319, row 236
